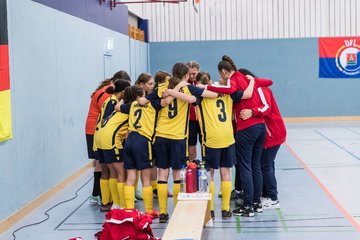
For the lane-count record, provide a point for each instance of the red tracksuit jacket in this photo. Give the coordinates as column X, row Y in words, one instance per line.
column 237, row 82
column 275, row 126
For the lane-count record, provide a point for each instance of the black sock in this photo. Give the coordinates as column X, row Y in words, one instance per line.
column 96, row 187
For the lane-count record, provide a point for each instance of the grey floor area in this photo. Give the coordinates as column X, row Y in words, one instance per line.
column 318, row 171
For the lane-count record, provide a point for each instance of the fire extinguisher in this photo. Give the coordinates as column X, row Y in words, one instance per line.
column 191, row 178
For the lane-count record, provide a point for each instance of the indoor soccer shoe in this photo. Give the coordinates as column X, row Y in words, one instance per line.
column 105, row 208
column 164, row 217
column 95, row 200
column 226, row 214
column 138, row 195
column 212, row 213
column 272, row 204
column 258, row 207
column 244, row 211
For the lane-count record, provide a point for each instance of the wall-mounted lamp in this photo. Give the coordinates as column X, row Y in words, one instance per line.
column 109, row 46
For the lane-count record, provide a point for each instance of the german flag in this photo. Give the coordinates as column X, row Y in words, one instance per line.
column 5, row 98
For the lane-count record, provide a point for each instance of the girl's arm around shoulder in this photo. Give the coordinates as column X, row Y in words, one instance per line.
column 123, row 107
column 181, row 96
column 250, row 89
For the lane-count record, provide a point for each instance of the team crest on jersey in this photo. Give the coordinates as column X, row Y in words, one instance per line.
column 347, row 58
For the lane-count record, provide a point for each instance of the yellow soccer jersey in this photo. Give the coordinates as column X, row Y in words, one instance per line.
column 142, row 119
column 174, row 119
column 215, row 119
column 112, row 131
column 106, row 109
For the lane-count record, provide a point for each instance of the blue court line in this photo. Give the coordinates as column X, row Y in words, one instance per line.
column 351, row 130
column 341, row 147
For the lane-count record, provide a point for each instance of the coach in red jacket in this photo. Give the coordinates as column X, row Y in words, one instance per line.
column 275, row 136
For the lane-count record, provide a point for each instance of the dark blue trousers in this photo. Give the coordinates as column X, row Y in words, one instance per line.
column 268, row 172
column 249, row 143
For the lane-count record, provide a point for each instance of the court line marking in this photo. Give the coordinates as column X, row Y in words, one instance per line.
column 351, row 130
column 341, row 147
column 282, row 220
column 328, row 193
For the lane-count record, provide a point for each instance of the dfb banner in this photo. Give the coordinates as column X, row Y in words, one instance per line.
column 5, row 98
column 339, row 57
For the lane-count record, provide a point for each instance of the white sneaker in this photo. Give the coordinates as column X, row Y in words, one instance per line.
column 272, row 204
column 265, row 201
column 138, row 195
column 95, row 200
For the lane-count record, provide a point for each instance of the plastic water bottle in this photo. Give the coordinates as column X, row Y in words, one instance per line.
column 203, row 179
column 182, row 179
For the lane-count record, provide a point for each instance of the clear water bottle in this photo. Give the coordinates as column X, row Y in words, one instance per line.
column 183, row 179
column 203, row 179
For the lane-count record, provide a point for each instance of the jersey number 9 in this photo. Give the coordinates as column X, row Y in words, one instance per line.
column 173, row 109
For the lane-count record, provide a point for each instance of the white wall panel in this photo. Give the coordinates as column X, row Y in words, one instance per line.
column 357, row 18
column 252, row 19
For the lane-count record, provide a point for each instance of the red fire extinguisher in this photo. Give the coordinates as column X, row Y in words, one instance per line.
column 191, row 178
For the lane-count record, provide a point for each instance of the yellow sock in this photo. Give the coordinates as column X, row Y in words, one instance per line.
column 114, row 190
column 162, row 196
column 176, row 189
column 129, row 192
column 154, row 185
column 226, row 191
column 120, row 187
column 212, row 192
column 148, row 198
column 105, row 191
column 137, row 179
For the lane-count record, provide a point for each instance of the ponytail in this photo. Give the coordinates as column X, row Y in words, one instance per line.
column 246, row 72
column 132, row 93
column 203, row 78
column 226, row 63
column 102, row 84
column 110, row 90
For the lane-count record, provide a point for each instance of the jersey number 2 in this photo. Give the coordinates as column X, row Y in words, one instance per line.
column 137, row 115
column 220, row 104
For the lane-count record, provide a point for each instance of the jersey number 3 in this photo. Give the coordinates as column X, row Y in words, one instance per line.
column 220, row 104
column 137, row 115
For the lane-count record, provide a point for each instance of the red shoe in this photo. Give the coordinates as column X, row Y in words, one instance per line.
column 152, row 215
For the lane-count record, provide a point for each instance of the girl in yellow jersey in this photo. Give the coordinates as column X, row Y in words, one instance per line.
column 109, row 140
column 148, row 83
column 171, row 134
column 108, row 181
column 215, row 118
column 138, row 147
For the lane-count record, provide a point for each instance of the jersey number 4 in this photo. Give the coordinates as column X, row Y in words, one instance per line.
column 221, row 105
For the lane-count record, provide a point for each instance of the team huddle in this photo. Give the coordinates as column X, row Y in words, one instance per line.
column 152, row 126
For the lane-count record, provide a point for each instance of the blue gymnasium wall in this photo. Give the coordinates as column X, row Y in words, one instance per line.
column 291, row 63
column 56, row 61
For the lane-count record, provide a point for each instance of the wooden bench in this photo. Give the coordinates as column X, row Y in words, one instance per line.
column 190, row 215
